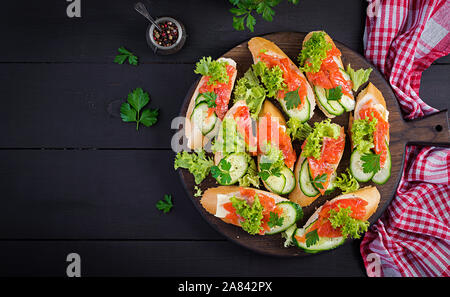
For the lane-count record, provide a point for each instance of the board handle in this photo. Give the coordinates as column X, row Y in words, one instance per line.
column 429, row 130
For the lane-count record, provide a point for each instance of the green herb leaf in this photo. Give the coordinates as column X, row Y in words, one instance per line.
column 238, row 23
column 292, row 99
column 335, row 93
column 165, row 205
column 130, row 111
column 210, row 99
column 275, row 220
column 362, row 134
column 313, row 146
column 319, row 180
column 371, row 162
column 222, row 172
column 251, row 21
column 127, row 113
column 149, row 117
column 312, row 238
column 138, row 99
column 124, row 54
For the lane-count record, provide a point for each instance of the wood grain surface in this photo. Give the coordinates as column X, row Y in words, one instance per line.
column 419, row 132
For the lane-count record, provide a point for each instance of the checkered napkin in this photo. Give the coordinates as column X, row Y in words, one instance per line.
column 412, row 238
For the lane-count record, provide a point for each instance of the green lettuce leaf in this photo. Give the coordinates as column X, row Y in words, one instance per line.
column 346, row 182
column 313, row 52
column 251, row 178
column 362, row 134
column 252, row 215
column 249, row 89
column 349, row 226
column 216, row 70
column 359, row 77
column 229, row 140
column 313, row 146
column 272, row 79
column 197, row 163
column 297, row 129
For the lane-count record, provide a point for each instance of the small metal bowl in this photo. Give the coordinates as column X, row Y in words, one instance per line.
column 166, row 50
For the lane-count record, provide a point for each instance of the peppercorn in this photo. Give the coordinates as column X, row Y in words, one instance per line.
column 168, row 35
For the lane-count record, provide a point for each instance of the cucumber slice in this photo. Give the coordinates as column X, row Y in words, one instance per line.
column 331, row 106
column 356, row 168
column 199, row 99
column 290, row 180
column 239, row 166
column 276, row 183
column 305, row 181
column 347, row 102
column 331, row 186
column 324, row 243
column 382, row 176
column 302, row 115
column 292, row 212
column 200, row 118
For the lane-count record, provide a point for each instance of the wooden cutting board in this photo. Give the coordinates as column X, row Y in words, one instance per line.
column 429, row 130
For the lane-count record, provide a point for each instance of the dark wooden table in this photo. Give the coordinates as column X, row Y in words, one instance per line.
column 75, row 178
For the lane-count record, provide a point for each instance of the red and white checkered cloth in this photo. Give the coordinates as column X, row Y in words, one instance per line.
column 412, row 238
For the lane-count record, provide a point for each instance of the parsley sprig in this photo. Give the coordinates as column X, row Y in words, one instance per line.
column 130, row 111
column 165, row 205
column 335, row 93
column 243, row 10
column 222, row 172
column 312, row 238
column 319, row 180
column 125, row 54
column 292, row 99
column 370, row 162
column 267, row 170
column 210, row 99
column 275, row 220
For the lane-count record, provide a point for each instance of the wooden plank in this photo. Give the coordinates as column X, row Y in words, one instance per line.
column 106, row 25
column 77, row 105
column 94, row 194
column 168, row 259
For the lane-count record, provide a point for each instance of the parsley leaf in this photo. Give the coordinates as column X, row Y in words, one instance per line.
column 292, row 99
column 165, row 205
column 267, row 170
column 275, row 220
column 129, row 111
column 210, row 99
column 124, row 55
column 335, row 93
column 222, row 172
column 319, row 180
column 312, row 238
column 371, row 162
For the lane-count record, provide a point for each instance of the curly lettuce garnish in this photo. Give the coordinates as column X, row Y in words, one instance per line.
column 362, row 134
column 251, row 178
column 229, row 140
column 359, row 77
column 272, row 78
column 297, row 129
column 313, row 52
column 313, row 146
column 252, row 215
column 346, row 182
column 249, row 89
column 216, row 70
column 197, row 163
column 349, row 226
